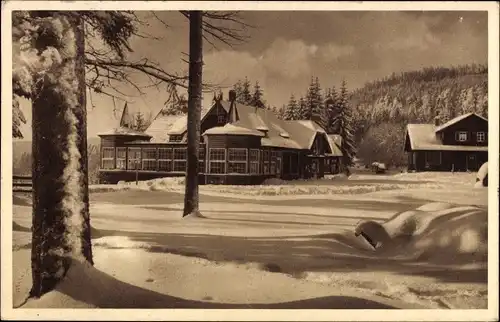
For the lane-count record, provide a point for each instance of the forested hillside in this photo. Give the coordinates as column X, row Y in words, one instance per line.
column 381, row 109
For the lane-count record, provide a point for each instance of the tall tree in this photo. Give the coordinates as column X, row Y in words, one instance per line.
column 258, row 96
column 191, row 197
column 302, row 109
column 331, row 110
column 246, row 95
column 61, row 223
column 281, row 112
column 291, row 110
column 345, row 121
column 314, row 100
column 318, row 109
column 140, row 123
column 49, row 68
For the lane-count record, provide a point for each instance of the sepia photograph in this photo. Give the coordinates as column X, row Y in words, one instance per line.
column 249, row 160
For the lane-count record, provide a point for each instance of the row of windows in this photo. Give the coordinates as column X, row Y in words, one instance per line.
column 237, row 160
column 463, row 136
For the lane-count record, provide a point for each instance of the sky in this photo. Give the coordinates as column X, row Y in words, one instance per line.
column 284, row 49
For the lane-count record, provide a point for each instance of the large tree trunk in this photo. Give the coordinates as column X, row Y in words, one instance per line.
column 61, row 230
column 191, row 198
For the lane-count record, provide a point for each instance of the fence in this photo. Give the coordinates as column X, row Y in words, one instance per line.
column 21, row 183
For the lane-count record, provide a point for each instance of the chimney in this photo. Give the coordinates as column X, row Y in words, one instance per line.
column 437, row 121
column 232, row 114
column 232, row 96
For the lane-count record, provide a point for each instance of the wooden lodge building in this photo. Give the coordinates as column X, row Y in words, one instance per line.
column 460, row 144
column 239, row 145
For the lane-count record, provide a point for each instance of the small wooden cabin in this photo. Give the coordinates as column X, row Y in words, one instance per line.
column 460, row 144
column 240, row 144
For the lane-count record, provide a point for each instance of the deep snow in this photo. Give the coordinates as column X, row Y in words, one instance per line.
column 279, row 249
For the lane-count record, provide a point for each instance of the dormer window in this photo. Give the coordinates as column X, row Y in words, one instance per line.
column 481, row 136
column 461, row 136
column 175, row 138
column 263, row 129
column 221, row 119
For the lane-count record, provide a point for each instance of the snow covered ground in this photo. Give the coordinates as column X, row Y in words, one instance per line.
column 290, row 250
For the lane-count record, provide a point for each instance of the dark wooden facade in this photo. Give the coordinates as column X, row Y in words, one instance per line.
column 224, row 158
column 463, row 147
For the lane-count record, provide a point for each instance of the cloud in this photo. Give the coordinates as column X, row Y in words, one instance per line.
column 333, row 52
column 288, row 58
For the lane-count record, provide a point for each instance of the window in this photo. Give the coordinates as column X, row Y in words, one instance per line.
column 165, row 159
column 237, row 161
column 149, row 159
column 221, row 119
column 254, row 161
column 461, row 136
column 481, row 136
column 134, row 158
column 265, row 159
column 294, row 163
column 217, row 161
column 433, row 158
column 180, row 155
column 108, row 158
column 121, row 158
column 201, row 160
column 175, row 138
column 273, row 162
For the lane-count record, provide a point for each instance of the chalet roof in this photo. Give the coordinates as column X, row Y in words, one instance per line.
column 423, row 137
column 124, row 131
column 180, row 127
column 252, row 121
column 161, row 125
column 456, row 120
column 233, row 130
column 165, row 125
column 278, row 133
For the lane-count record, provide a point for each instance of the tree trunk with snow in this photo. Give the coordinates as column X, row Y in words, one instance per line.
column 191, row 198
column 61, row 229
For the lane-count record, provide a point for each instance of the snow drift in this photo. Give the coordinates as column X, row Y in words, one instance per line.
column 436, row 231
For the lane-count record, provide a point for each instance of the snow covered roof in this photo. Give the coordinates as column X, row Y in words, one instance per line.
column 161, row 125
column 335, row 142
column 253, row 121
column 124, row 131
column 180, row 126
column 336, row 138
column 233, row 130
column 423, row 137
column 456, row 120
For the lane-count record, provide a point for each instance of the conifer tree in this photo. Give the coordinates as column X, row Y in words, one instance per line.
column 291, row 110
column 331, row 110
column 310, row 101
column 139, row 122
column 238, row 89
column 281, row 112
column 257, row 97
column 246, row 96
column 302, row 109
column 345, row 121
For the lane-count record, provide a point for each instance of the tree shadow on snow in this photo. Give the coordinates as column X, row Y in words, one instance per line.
column 336, row 252
column 93, row 287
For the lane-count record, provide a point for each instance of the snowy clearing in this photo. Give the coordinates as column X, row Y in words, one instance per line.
column 276, row 251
